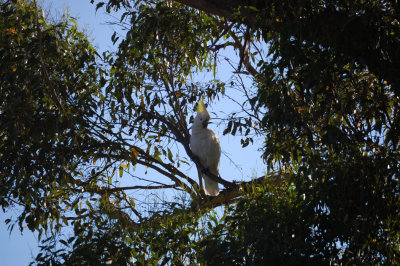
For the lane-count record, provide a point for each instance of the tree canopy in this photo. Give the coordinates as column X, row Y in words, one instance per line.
column 324, row 97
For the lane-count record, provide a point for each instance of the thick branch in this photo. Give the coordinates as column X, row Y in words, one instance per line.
column 226, row 197
column 227, row 8
column 222, row 8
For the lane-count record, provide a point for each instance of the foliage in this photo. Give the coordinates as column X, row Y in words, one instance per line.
column 332, row 116
column 264, row 227
column 49, row 82
column 325, row 99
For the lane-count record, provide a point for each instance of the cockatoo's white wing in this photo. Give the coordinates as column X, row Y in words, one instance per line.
column 205, row 144
column 213, row 149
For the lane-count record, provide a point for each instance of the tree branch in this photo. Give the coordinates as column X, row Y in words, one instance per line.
column 222, row 8
column 225, row 197
column 227, row 8
column 244, row 56
column 46, row 75
column 103, row 190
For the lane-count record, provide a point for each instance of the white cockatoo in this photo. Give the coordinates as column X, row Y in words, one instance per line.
column 205, row 145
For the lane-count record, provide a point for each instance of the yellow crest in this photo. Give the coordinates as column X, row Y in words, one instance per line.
column 200, row 107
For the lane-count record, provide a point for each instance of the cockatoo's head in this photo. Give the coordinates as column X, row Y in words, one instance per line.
column 203, row 117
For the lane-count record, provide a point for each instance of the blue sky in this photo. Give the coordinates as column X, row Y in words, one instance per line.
column 18, row 249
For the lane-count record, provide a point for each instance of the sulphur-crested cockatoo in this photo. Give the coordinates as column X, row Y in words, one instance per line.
column 205, row 145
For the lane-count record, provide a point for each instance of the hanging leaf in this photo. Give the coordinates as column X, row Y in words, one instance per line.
column 170, row 155
column 134, row 154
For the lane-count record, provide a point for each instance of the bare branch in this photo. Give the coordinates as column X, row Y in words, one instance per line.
column 102, row 190
column 244, row 57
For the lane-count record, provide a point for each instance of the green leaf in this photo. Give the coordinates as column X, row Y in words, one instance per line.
column 170, row 155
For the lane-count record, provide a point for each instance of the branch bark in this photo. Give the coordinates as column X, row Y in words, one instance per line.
column 44, row 69
column 222, row 8
column 225, row 197
column 103, row 190
column 227, row 8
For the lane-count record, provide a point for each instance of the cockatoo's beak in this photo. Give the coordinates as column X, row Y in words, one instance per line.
column 205, row 123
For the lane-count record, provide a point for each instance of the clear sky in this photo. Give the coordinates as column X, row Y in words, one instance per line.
column 18, row 249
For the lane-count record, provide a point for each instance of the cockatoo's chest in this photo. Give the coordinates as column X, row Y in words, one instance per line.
column 205, row 143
